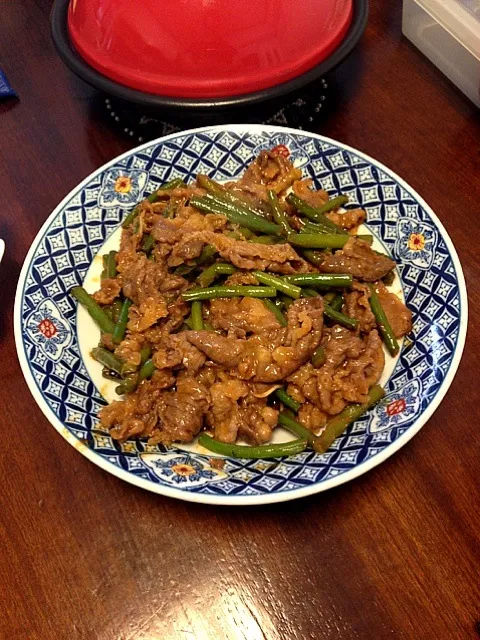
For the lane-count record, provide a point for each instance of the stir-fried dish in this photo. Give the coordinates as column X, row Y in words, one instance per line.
column 231, row 309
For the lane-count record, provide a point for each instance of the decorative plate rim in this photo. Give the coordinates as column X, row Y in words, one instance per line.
column 318, row 487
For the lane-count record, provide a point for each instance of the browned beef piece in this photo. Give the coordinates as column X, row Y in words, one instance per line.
column 268, row 357
column 242, row 277
column 351, row 367
column 195, row 221
column 224, row 351
column 135, row 416
column 163, row 379
column 303, row 189
column 165, row 230
column 177, row 311
column 147, row 313
column 145, row 279
column 129, row 428
column 235, row 411
column 129, row 349
column 162, row 416
column 350, row 219
column 358, row 259
column 187, row 246
column 258, row 420
column 149, row 214
column 178, row 353
column 224, row 413
column 127, row 253
column 188, row 220
column 357, row 306
column 399, row 316
column 311, row 416
column 280, row 258
column 109, row 290
column 181, row 411
column 269, row 171
column 247, row 314
column 146, row 283
column 172, row 235
column 185, row 193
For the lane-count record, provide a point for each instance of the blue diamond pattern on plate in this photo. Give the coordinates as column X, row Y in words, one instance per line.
column 46, row 314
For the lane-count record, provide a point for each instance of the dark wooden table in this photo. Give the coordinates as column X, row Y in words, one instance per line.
column 393, row 554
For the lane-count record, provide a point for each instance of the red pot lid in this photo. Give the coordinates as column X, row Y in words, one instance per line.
column 206, row 48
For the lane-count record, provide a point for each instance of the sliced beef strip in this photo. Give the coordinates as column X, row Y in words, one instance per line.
column 177, row 353
column 357, row 306
column 248, row 314
column 166, row 231
column 181, row 412
column 186, row 193
column 358, row 259
column 236, row 412
column 147, row 313
column 258, row 420
column 109, row 290
column 129, row 349
column 311, row 416
column 173, row 234
column 177, row 311
column 127, row 254
column 350, row 219
column 146, row 279
column 163, row 416
column 241, row 278
column 303, row 189
column 224, row 414
column 135, row 415
column 280, row 258
column 269, row 171
column 352, row 366
column 399, row 316
column 147, row 283
column 268, row 357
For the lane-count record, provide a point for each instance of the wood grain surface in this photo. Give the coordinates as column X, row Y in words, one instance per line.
column 393, row 554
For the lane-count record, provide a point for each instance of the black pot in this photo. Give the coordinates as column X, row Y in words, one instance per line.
column 205, row 111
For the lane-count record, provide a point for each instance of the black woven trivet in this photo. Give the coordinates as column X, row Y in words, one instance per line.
column 304, row 112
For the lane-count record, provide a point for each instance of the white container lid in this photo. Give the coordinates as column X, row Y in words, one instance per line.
column 460, row 17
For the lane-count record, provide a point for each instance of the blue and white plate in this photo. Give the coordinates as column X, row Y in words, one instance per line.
column 53, row 337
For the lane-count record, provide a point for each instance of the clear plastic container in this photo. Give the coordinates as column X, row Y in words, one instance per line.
column 448, row 33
